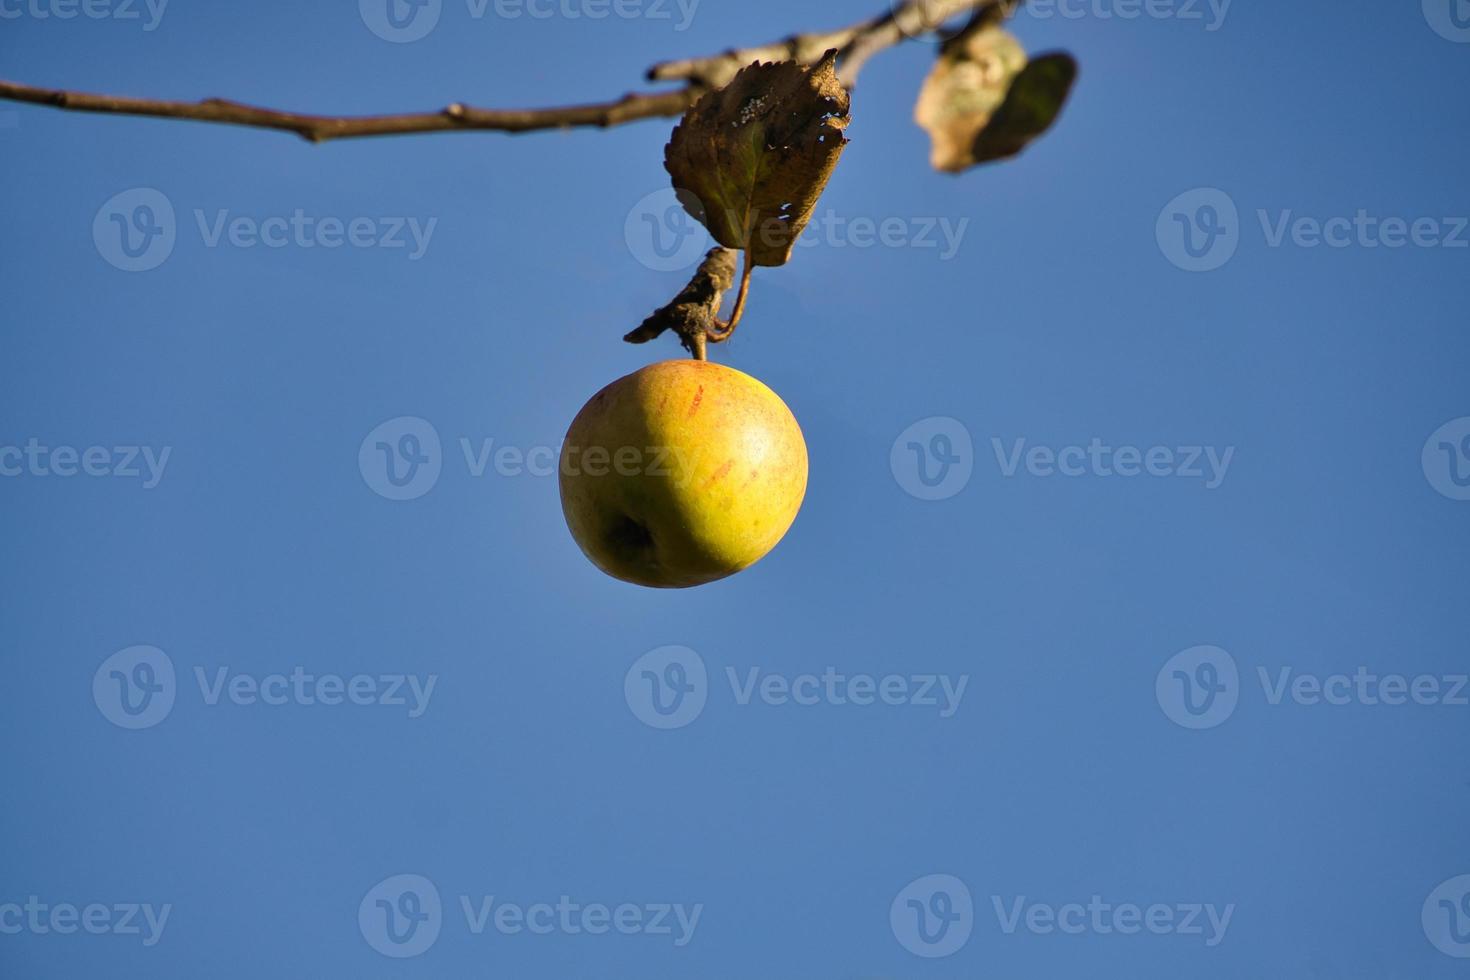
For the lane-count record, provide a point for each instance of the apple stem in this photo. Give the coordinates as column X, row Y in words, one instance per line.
column 723, row 329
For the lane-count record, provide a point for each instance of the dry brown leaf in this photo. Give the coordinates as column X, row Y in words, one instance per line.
column 983, row 101
column 757, row 154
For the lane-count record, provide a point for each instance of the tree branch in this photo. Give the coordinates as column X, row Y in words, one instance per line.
column 856, row 44
column 455, row 117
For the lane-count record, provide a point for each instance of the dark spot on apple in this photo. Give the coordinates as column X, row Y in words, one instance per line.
column 629, row 539
column 698, row 397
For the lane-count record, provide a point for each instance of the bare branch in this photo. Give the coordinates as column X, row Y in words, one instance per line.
column 856, row 44
column 717, row 70
column 456, row 117
column 912, row 20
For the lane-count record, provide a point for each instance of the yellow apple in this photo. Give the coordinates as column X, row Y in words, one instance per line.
column 682, row 473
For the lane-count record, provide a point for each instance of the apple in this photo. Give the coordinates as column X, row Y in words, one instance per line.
column 682, row 473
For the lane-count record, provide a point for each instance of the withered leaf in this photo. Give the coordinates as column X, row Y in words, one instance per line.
column 983, row 101
column 758, row 152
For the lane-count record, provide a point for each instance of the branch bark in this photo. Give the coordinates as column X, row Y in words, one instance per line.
column 452, row 118
column 693, row 313
column 856, row 44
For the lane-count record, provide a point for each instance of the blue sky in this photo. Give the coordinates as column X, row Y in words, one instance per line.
column 1038, row 719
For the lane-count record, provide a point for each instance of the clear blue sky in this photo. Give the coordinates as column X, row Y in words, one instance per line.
column 1072, row 765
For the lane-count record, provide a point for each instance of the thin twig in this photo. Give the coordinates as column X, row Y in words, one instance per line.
column 457, row 117
column 856, row 44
